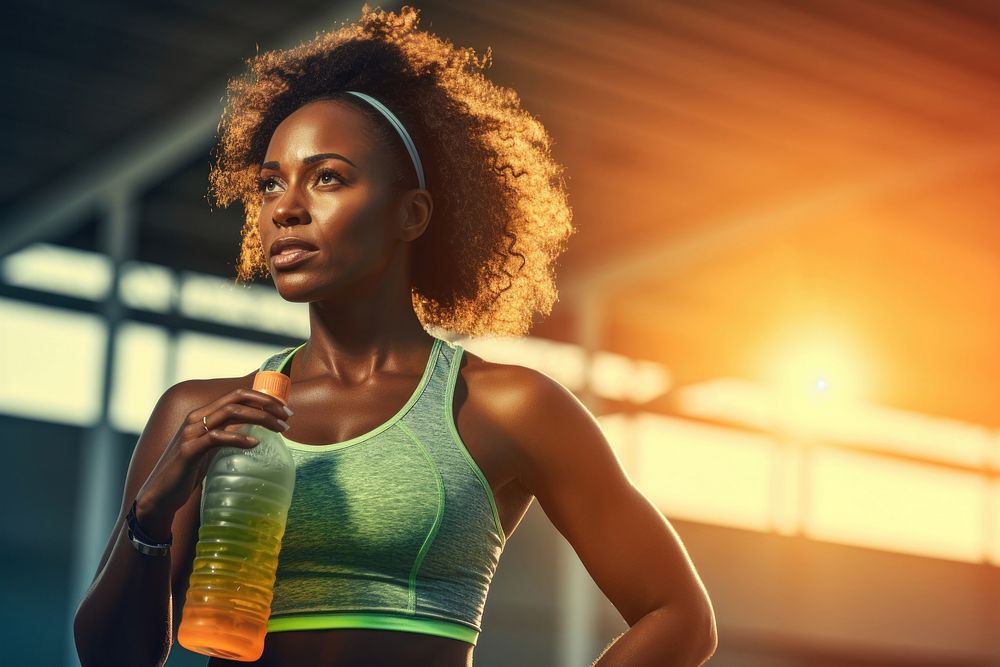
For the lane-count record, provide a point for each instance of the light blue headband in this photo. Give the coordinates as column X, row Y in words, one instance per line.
column 410, row 147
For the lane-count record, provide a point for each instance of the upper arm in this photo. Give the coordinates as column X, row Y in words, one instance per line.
column 626, row 544
column 167, row 416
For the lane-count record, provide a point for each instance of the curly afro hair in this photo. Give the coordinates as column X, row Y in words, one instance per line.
column 485, row 264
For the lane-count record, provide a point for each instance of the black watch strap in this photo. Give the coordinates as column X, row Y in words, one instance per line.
column 141, row 541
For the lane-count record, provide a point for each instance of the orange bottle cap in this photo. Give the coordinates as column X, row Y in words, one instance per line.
column 274, row 383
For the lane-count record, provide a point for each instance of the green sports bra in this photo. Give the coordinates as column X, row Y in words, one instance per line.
column 395, row 529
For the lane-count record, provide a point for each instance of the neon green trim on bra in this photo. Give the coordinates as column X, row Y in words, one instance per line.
column 373, row 621
column 428, row 369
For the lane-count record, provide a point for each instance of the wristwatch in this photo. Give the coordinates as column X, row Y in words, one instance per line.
column 142, row 542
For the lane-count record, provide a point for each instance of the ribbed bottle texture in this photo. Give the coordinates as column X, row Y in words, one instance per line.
column 244, row 508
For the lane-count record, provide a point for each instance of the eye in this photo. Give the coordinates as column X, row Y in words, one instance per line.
column 263, row 182
column 328, row 173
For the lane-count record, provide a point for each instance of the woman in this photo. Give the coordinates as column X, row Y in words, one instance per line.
column 392, row 187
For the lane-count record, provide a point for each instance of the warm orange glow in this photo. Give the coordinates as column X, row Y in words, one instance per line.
column 817, row 365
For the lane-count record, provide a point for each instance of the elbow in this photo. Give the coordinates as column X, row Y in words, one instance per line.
column 712, row 641
column 97, row 652
column 708, row 633
column 85, row 649
column 80, row 639
column 698, row 629
column 686, row 633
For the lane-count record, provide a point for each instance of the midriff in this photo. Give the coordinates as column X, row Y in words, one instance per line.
column 349, row 647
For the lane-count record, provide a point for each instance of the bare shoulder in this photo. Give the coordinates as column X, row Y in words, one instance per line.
column 506, row 389
column 531, row 413
column 177, row 401
column 204, row 390
column 501, row 383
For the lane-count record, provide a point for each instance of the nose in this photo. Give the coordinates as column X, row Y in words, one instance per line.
column 289, row 217
column 289, row 211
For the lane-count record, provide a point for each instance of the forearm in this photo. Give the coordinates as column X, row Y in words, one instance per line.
column 125, row 616
column 662, row 638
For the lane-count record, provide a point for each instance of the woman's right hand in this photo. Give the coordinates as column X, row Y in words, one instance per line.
column 185, row 461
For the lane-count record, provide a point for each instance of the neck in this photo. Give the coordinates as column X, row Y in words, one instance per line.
column 375, row 329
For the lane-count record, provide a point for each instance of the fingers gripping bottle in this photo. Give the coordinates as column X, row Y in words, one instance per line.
column 245, row 498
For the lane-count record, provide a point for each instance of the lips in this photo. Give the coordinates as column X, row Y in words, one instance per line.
column 290, row 244
column 292, row 259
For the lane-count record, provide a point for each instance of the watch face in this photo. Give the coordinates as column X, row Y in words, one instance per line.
column 145, row 548
column 133, row 527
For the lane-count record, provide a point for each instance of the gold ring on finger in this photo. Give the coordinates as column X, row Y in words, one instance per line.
column 204, row 420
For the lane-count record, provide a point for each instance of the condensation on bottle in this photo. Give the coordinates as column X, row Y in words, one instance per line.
column 245, row 498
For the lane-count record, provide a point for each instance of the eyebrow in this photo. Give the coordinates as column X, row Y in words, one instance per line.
column 309, row 160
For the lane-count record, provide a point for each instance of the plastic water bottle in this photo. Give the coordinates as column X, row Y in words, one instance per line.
column 244, row 508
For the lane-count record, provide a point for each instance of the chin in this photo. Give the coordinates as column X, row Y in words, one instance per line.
column 293, row 287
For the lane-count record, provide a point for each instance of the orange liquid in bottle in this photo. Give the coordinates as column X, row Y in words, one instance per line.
column 244, row 509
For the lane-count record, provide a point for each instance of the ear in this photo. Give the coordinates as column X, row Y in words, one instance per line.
column 415, row 213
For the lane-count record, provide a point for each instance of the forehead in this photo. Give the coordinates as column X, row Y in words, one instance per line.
column 322, row 126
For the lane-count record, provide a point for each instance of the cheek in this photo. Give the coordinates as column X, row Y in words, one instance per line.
column 359, row 222
column 360, row 240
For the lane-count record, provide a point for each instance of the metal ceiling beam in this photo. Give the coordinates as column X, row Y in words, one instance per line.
column 133, row 166
column 719, row 237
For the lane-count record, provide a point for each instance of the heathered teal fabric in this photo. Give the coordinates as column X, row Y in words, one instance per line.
column 398, row 521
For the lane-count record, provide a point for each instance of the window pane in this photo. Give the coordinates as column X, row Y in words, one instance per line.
column 52, row 362
column 704, row 473
column 869, row 500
